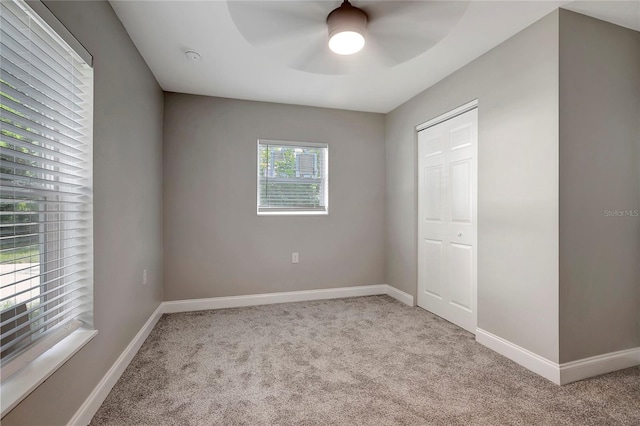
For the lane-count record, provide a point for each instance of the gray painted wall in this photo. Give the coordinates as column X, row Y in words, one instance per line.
column 216, row 245
column 516, row 84
column 128, row 210
column 599, row 170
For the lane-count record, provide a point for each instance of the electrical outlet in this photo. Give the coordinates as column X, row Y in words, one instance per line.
column 145, row 279
column 294, row 258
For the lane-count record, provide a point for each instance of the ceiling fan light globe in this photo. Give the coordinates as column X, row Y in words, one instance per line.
column 347, row 26
column 346, row 42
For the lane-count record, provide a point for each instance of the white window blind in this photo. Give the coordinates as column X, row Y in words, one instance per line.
column 46, row 253
column 292, row 177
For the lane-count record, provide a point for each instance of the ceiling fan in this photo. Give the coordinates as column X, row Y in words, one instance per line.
column 329, row 37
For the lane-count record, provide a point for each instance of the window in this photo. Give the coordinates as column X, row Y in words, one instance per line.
column 292, row 177
column 46, row 219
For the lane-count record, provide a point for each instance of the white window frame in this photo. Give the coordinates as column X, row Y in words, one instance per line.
column 31, row 367
column 294, row 211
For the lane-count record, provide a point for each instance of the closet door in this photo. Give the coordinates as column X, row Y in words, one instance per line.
column 447, row 219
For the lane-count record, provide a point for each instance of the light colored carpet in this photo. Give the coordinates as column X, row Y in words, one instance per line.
column 366, row 361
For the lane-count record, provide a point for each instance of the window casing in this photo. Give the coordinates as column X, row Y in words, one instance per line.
column 46, row 204
column 293, row 177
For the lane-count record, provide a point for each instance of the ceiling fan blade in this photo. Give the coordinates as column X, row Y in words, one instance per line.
column 399, row 8
column 265, row 23
column 398, row 35
column 318, row 59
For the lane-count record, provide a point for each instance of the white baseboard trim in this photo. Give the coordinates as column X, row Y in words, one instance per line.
column 539, row 365
column 564, row 373
column 271, row 298
column 597, row 365
column 91, row 405
column 400, row 295
column 88, row 409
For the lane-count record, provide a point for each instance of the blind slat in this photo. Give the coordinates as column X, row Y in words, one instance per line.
column 25, row 52
column 35, row 327
column 10, row 160
column 23, row 258
column 24, row 172
column 43, row 141
column 32, row 114
column 37, row 234
column 27, row 21
column 36, row 265
column 39, row 151
column 7, row 250
column 49, row 300
column 33, row 127
column 45, row 298
column 11, row 198
column 19, row 66
column 42, row 108
column 8, row 174
column 51, row 60
column 27, row 290
column 35, row 194
column 65, row 213
column 6, row 226
column 30, row 92
column 39, row 160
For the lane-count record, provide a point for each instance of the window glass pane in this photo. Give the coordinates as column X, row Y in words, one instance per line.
column 292, row 177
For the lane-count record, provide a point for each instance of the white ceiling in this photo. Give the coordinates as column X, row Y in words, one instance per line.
column 232, row 67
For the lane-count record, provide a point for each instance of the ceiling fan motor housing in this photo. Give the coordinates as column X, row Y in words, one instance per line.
column 346, row 18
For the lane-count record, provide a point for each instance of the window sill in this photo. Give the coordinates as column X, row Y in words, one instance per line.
column 294, row 213
column 16, row 388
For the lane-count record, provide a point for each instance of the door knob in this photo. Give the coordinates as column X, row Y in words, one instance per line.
column 459, row 234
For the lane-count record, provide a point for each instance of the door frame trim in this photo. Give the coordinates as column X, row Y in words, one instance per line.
column 448, row 115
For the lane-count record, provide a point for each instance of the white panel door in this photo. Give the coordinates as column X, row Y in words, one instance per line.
column 447, row 225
